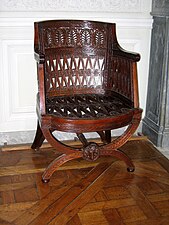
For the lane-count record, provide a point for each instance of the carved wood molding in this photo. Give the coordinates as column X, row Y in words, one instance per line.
column 71, row 5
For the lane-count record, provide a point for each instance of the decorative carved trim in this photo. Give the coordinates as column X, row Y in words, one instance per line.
column 71, row 5
column 91, row 152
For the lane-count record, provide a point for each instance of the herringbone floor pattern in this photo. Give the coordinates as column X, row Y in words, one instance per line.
column 82, row 193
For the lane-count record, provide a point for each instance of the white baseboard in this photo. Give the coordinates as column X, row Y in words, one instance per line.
column 164, row 151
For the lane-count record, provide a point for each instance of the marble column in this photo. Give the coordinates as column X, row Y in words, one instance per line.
column 156, row 121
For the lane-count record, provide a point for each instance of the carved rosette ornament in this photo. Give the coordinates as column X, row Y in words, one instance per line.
column 91, row 152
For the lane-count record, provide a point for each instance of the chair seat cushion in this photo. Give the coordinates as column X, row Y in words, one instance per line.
column 87, row 106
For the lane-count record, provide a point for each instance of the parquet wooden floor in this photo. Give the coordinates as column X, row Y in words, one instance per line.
column 83, row 193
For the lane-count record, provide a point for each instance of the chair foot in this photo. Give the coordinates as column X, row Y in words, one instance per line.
column 130, row 169
column 45, row 181
column 36, row 149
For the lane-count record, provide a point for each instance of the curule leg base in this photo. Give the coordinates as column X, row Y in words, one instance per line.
column 54, row 165
column 93, row 151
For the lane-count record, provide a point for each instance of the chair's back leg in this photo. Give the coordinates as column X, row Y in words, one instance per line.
column 102, row 136
column 105, row 136
column 83, row 139
column 39, row 138
column 108, row 136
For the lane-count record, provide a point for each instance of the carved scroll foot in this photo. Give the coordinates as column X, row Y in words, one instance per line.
column 45, row 181
column 54, row 165
column 120, row 155
column 130, row 169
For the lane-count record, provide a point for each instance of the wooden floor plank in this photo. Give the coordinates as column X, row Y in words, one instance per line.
column 93, row 218
column 84, row 197
column 3, row 222
column 10, row 212
column 108, row 204
column 31, row 214
column 83, row 193
column 156, row 221
column 68, row 197
column 112, row 216
column 31, row 169
column 74, row 221
column 160, row 177
column 131, row 214
column 143, row 202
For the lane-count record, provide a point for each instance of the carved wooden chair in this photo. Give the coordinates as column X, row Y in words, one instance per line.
column 87, row 83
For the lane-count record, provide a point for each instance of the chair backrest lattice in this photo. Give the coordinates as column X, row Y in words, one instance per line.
column 79, row 58
column 70, row 73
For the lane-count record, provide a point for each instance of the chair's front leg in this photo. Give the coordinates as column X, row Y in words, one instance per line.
column 113, row 148
column 55, row 143
column 108, row 136
column 121, row 140
column 54, row 165
column 69, row 154
column 119, row 155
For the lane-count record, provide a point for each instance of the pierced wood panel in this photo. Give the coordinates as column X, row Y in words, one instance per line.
column 74, row 37
column 70, row 73
column 120, row 78
column 75, row 55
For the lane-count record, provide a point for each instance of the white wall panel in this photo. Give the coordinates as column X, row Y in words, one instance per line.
column 18, row 84
column 18, row 95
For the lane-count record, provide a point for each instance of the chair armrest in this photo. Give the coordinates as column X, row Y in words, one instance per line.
column 39, row 57
column 123, row 75
column 119, row 51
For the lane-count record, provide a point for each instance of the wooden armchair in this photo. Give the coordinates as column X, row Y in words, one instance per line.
column 87, row 83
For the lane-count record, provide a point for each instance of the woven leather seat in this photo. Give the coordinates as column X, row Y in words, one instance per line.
column 87, row 83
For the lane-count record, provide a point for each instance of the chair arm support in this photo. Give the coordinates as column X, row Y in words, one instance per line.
column 123, row 76
column 119, row 51
column 39, row 57
column 42, row 103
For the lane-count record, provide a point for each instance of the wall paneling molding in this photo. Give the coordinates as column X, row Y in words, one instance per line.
column 71, row 5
